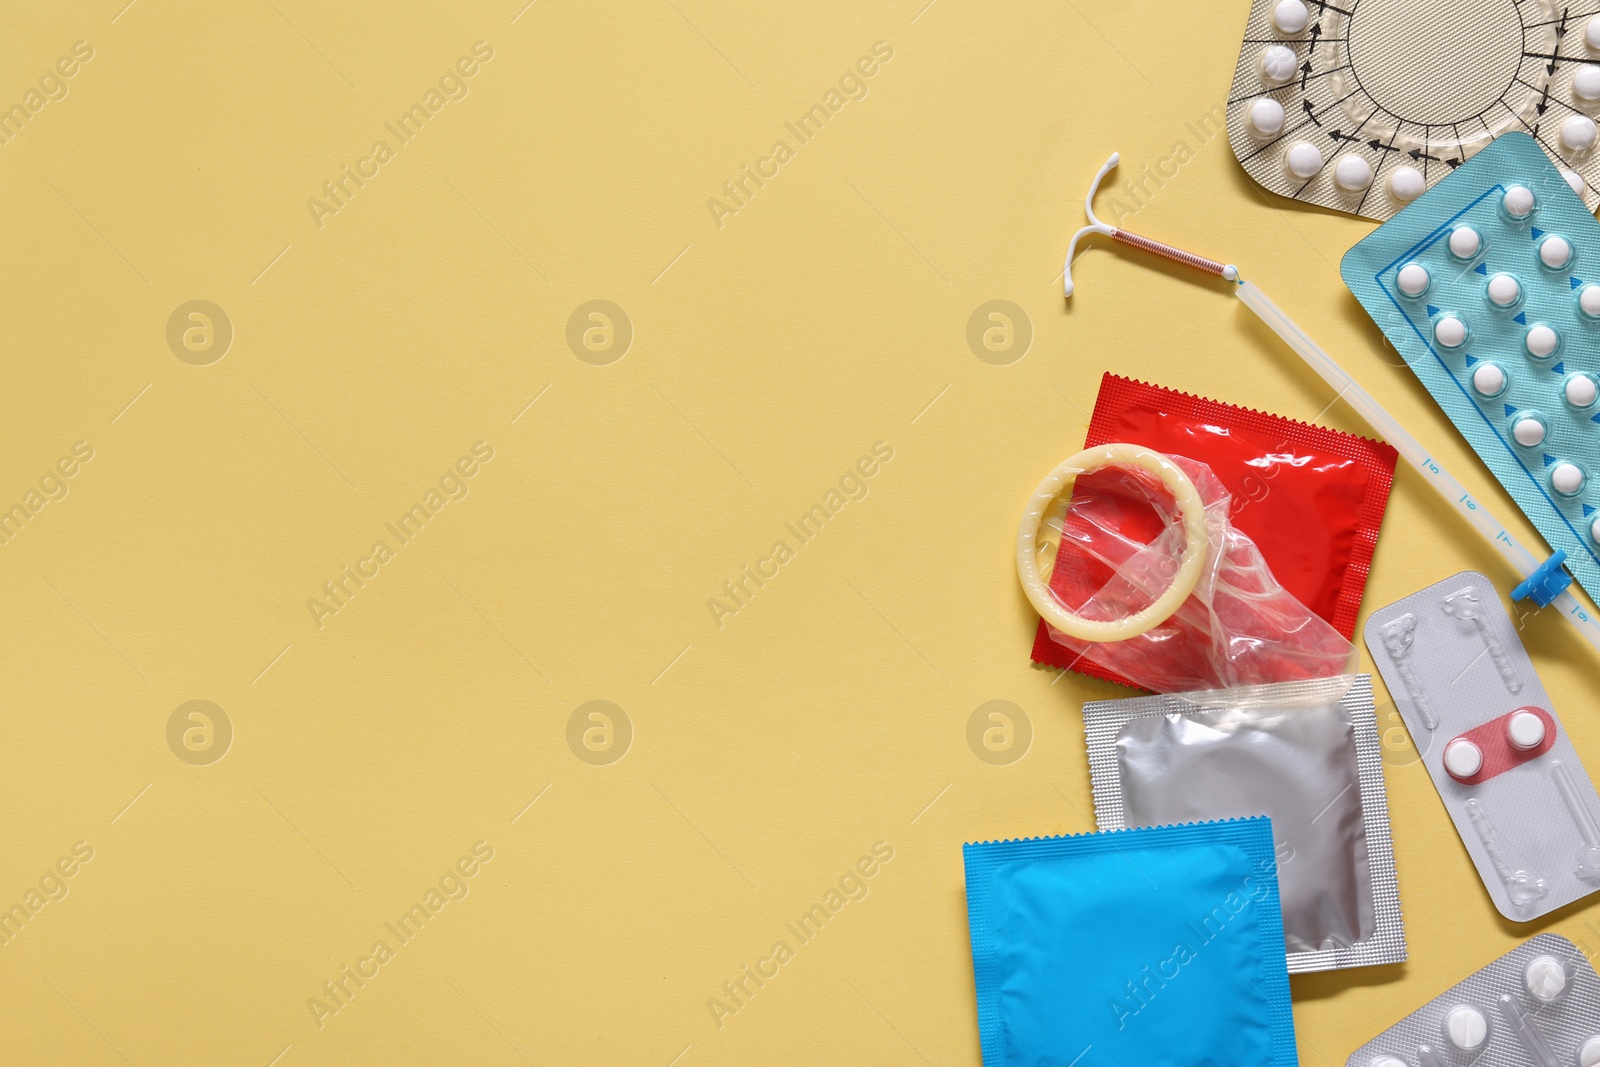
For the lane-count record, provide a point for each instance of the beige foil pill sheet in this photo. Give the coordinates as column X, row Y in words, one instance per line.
column 1363, row 105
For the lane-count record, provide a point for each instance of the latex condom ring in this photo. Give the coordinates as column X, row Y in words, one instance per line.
column 1191, row 512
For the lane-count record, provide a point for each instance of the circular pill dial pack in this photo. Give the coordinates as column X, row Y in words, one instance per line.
column 1362, row 106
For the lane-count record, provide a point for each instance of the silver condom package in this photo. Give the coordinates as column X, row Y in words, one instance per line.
column 1505, row 768
column 1536, row 1006
column 1304, row 753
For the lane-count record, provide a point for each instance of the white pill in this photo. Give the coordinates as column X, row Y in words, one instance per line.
column 1574, row 180
column 1352, row 173
column 1528, row 431
column 1466, row 1027
column 1450, row 331
column 1504, row 290
column 1266, row 116
column 1465, row 242
column 1544, row 976
column 1413, row 279
column 1589, row 1054
column 1518, row 201
column 1589, row 300
column 1525, row 730
column 1290, row 16
column 1386, row 1061
column 1555, row 251
column 1488, row 380
column 1406, row 183
column 1578, row 133
column 1542, row 341
column 1462, row 759
column 1591, row 37
column 1594, row 534
column 1581, row 390
column 1566, row 479
column 1278, row 64
column 1586, row 82
column 1303, row 159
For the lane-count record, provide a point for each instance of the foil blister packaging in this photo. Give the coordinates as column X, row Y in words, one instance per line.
column 1362, row 107
column 1307, row 755
column 1486, row 731
column 1536, row 1006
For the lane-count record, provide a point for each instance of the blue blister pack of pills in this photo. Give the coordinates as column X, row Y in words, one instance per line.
column 1489, row 288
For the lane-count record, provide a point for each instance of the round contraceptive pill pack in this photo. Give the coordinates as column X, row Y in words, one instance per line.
column 1363, row 106
column 1536, row 1006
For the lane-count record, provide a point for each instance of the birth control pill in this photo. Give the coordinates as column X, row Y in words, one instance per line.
column 1413, row 279
column 1525, row 730
column 1407, row 183
column 1449, row 331
column 1589, row 300
column 1352, row 173
column 1566, row 479
column 1591, row 37
column 1586, row 82
column 1465, row 242
column 1303, row 159
column 1465, row 1026
column 1528, row 431
column 1462, row 759
column 1518, row 201
column 1278, row 65
column 1386, row 1061
column 1504, row 290
column 1544, row 977
column 1488, row 380
column 1555, row 251
column 1577, row 132
column 1542, row 341
column 1580, row 390
column 1574, row 180
column 1290, row 16
column 1589, row 1054
column 1594, row 530
column 1266, row 117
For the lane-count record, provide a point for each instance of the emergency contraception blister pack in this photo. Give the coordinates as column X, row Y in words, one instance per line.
column 1485, row 728
column 1307, row 755
column 1361, row 107
column 1536, row 1006
column 1489, row 288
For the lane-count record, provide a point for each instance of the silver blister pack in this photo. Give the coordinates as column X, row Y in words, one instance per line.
column 1307, row 755
column 1362, row 107
column 1536, row 1006
column 1487, row 732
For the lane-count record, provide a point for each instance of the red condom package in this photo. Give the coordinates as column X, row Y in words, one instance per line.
column 1310, row 498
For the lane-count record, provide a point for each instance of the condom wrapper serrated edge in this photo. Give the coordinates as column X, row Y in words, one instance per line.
column 1370, row 96
column 1092, row 922
column 1563, row 1025
column 1330, row 869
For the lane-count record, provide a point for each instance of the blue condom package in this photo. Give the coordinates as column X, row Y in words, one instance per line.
column 1161, row 947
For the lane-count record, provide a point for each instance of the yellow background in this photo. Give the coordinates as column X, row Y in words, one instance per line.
column 767, row 355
